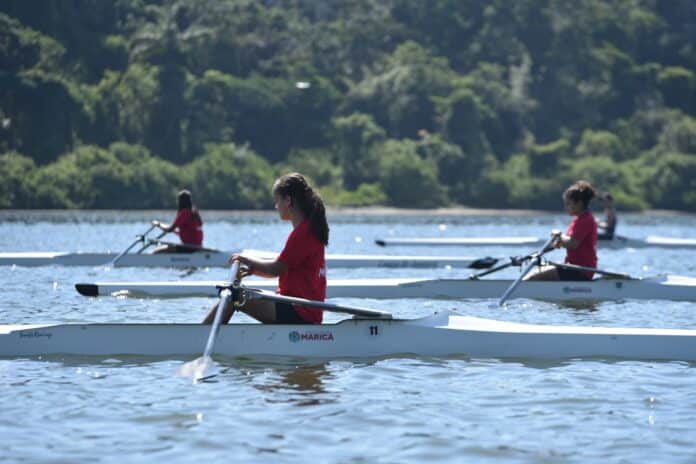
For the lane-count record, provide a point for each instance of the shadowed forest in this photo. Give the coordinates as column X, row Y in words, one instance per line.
column 407, row 103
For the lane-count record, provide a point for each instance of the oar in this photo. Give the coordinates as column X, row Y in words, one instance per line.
column 534, row 259
column 204, row 367
column 150, row 241
column 157, row 241
column 514, row 261
column 483, row 263
column 255, row 293
column 616, row 275
column 138, row 238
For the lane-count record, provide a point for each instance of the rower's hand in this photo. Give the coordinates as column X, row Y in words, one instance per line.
column 244, row 271
column 156, row 223
column 245, row 265
column 557, row 239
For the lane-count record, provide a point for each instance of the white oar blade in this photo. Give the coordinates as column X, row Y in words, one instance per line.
column 199, row 369
column 204, row 367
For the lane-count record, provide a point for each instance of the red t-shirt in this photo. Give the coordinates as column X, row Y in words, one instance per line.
column 303, row 254
column 583, row 228
column 190, row 227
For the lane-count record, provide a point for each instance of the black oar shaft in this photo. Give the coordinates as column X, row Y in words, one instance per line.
column 157, row 241
column 254, row 293
column 149, row 242
column 497, row 268
column 576, row 267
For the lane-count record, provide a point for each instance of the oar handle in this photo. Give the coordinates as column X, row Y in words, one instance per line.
column 149, row 241
column 548, row 246
column 139, row 238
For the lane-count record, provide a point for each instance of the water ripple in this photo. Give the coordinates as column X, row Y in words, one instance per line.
column 134, row 409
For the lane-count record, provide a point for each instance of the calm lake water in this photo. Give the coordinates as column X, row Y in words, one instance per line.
column 363, row 411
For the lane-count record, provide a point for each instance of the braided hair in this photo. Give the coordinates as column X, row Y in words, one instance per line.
column 580, row 191
column 295, row 186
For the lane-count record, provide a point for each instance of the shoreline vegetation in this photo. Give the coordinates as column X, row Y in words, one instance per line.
column 369, row 211
column 379, row 102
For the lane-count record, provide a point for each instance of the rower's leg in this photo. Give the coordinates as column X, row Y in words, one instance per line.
column 164, row 249
column 545, row 273
column 225, row 316
column 261, row 310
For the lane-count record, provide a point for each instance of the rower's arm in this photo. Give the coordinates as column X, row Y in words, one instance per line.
column 164, row 227
column 568, row 242
column 264, row 267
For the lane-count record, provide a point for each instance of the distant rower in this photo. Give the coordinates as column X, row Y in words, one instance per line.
column 609, row 224
column 188, row 224
column 580, row 240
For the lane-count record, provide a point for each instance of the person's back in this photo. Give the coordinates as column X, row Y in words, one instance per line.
column 306, row 275
column 608, row 226
column 187, row 223
column 190, row 226
column 300, row 267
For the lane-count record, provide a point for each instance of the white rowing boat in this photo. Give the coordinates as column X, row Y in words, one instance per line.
column 531, row 241
column 670, row 287
column 219, row 259
column 441, row 334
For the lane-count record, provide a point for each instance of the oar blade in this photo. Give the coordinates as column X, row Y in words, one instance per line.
column 204, row 367
column 199, row 369
column 483, row 263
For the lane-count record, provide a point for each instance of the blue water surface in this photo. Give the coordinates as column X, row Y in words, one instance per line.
column 407, row 409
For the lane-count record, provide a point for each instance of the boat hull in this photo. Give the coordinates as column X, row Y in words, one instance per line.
column 219, row 259
column 531, row 241
column 675, row 288
column 442, row 334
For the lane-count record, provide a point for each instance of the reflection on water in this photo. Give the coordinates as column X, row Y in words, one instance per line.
column 300, row 384
column 579, row 306
column 306, row 378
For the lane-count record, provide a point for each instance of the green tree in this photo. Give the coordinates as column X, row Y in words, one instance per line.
column 463, row 122
column 600, row 143
column 672, row 183
column 399, row 95
column 407, row 179
column 355, row 135
column 231, row 177
column 679, row 137
column 623, row 180
column 15, row 190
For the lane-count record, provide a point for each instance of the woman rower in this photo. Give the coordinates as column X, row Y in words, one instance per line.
column 188, row 224
column 608, row 226
column 580, row 240
column 300, row 267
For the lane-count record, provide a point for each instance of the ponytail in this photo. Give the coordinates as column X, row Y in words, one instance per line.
column 311, row 205
column 580, row 191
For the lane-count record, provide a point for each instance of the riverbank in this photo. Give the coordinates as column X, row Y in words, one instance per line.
column 369, row 211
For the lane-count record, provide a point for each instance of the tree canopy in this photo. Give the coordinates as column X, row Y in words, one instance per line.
column 399, row 102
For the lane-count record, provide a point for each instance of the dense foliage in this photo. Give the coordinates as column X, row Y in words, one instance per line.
column 411, row 103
